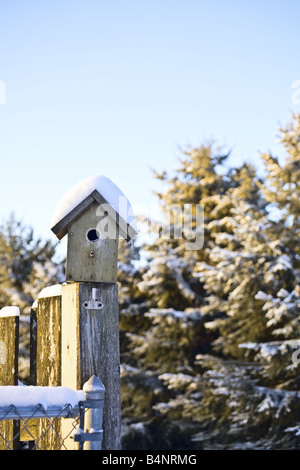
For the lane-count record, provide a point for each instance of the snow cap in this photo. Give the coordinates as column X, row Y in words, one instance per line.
column 94, row 188
column 10, row 312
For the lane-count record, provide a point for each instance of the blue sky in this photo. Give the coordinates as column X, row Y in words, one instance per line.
column 115, row 87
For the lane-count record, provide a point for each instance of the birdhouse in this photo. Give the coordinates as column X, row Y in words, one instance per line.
column 93, row 214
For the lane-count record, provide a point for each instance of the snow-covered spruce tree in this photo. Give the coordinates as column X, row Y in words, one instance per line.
column 227, row 409
column 283, row 182
column 132, row 303
column 181, row 304
column 170, row 333
column 279, row 357
column 240, row 267
column 259, row 280
column 169, row 281
column 255, row 262
column 169, row 278
column 128, row 274
column 228, row 274
column 223, row 402
column 27, row 264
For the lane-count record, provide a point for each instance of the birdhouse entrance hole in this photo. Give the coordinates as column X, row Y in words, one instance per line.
column 93, row 235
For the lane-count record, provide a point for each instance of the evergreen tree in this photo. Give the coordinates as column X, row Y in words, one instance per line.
column 281, row 302
column 224, row 320
column 241, row 267
column 170, row 278
column 283, row 179
column 27, row 264
column 181, row 305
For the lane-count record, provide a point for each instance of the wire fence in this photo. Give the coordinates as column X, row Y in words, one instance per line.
column 54, row 427
column 37, row 428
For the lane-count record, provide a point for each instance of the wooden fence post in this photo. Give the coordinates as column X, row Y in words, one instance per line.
column 45, row 361
column 90, row 346
column 48, row 340
column 9, row 350
column 90, row 316
column 48, row 358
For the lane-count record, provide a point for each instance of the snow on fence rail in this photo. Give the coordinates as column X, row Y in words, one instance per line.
column 28, row 396
column 31, row 407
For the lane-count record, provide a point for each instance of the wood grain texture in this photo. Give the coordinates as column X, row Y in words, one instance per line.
column 9, row 337
column 61, row 228
column 91, row 261
column 48, row 348
column 90, row 346
column 48, row 364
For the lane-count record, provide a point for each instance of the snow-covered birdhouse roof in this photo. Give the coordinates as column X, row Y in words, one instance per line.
column 80, row 197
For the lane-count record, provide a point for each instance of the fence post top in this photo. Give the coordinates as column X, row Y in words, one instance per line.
column 10, row 312
column 94, row 388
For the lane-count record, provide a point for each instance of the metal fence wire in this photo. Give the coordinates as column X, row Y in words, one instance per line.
column 54, row 427
column 36, row 427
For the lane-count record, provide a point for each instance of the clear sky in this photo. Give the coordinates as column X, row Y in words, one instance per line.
column 114, row 87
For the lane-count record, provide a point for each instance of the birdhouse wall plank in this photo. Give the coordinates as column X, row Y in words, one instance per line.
column 92, row 260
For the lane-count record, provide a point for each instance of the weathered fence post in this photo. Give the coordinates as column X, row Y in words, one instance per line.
column 45, row 360
column 48, row 355
column 90, row 316
column 9, row 350
column 48, row 337
column 90, row 346
column 9, row 345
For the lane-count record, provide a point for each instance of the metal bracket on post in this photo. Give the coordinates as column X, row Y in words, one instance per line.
column 94, row 303
column 90, row 426
column 83, row 437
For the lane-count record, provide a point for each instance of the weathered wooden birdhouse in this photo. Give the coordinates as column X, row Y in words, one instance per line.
column 93, row 214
